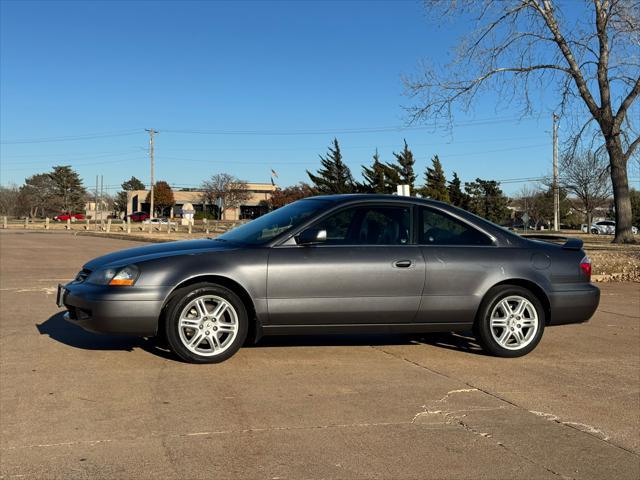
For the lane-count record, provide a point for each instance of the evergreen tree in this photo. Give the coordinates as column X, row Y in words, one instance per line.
column 435, row 182
column 487, row 200
column 334, row 176
column 457, row 197
column 67, row 189
column 380, row 177
column 37, row 195
column 120, row 203
column 405, row 166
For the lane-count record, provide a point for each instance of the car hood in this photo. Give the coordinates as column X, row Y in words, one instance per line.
column 155, row 251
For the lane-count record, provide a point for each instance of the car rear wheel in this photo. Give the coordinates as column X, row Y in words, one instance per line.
column 511, row 321
column 206, row 323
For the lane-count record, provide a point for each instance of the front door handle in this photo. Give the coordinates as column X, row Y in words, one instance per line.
column 403, row 263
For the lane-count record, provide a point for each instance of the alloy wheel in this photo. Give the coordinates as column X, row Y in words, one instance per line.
column 208, row 325
column 514, row 322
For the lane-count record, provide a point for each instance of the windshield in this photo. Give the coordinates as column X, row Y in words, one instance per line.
column 264, row 228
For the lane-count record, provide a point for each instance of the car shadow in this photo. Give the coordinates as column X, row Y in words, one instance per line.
column 64, row 332
column 462, row 342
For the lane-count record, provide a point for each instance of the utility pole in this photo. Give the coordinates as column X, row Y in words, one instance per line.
column 151, row 133
column 101, row 198
column 556, row 191
column 95, row 207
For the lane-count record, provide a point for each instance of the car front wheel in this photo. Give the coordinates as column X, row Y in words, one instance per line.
column 206, row 323
column 511, row 321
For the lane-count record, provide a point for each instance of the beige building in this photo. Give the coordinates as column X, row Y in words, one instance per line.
column 254, row 207
column 92, row 213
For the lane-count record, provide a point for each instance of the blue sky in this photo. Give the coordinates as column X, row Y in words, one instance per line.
column 104, row 71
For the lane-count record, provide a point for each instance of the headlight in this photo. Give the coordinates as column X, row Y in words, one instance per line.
column 115, row 276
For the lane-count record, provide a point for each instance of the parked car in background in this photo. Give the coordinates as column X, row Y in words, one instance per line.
column 139, row 216
column 63, row 217
column 339, row 264
column 607, row 227
column 519, row 226
column 159, row 221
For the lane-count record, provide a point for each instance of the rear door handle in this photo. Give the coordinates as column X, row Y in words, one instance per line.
column 403, row 263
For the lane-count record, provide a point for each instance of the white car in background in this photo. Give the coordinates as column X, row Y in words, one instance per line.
column 158, row 221
column 607, row 227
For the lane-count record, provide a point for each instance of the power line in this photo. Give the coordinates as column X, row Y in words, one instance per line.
column 352, row 162
column 72, row 164
column 72, row 138
column 520, row 147
column 395, row 128
column 349, row 147
column 326, row 131
column 70, row 154
column 68, row 160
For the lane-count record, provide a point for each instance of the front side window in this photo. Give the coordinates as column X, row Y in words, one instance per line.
column 269, row 226
column 437, row 228
column 370, row 225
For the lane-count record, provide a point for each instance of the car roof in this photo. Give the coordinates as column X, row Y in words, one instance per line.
column 495, row 230
column 346, row 197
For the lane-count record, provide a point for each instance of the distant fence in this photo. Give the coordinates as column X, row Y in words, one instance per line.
column 123, row 226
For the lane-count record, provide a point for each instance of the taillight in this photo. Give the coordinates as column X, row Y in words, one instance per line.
column 585, row 266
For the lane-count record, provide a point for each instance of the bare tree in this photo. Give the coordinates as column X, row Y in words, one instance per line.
column 10, row 204
column 586, row 176
column 520, row 45
column 534, row 202
column 226, row 189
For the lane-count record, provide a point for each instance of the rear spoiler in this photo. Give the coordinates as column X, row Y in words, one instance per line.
column 569, row 243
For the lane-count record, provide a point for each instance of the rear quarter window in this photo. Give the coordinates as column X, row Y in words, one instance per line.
column 438, row 228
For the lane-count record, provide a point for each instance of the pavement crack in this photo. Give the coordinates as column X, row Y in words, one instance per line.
column 460, row 390
column 586, row 429
column 440, row 374
column 620, row 314
column 164, row 437
column 583, row 427
column 456, row 418
column 533, row 462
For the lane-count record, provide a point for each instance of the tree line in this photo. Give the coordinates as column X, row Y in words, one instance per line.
column 585, row 188
column 482, row 197
column 45, row 194
column 61, row 190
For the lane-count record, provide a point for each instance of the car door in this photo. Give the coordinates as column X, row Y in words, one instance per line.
column 459, row 259
column 367, row 272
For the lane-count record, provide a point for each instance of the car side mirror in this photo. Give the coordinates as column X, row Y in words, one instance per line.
column 312, row 236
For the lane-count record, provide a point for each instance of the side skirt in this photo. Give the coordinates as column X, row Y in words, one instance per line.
column 364, row 328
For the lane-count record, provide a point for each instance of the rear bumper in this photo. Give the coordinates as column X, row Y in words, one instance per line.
column 104, row 309
column 574, row 306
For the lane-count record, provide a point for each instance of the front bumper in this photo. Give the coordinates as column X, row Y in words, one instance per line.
column 575, row 305
column 117, row 310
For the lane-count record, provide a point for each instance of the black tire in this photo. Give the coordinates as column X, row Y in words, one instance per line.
column 181, row 299
column 595, row 231
column 482, row 326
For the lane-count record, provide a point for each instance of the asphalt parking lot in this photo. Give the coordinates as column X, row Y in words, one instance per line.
column 78, row 405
